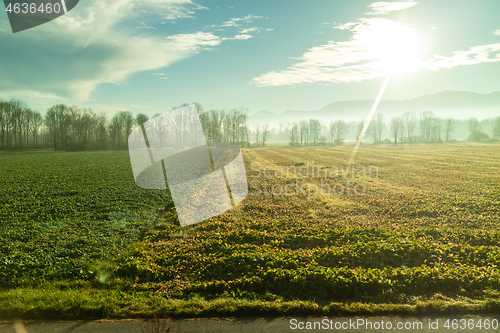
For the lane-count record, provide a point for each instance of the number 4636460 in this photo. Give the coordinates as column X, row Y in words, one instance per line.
column 32, row 8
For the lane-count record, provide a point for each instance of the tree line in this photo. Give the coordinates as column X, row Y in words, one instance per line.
column 410, row 127
column 66, row 127
column 19, row 125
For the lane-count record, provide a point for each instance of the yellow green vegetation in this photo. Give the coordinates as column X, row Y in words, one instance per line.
column 79, row 239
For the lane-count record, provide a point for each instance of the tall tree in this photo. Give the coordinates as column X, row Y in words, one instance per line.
column 450, row 125
column 36, row 123
column 496, row 129
column 102, row 131
column 18, row 114
column 396, row 126
column 337, row 130
column 410, row 124
column 257, row 132
column 426, row 124
column 376, row 128
column 265, row 134
column 475, row 132
column 128, row 122
column 304, row 128
column 314, row 130
column 4, row 122
column 294, row 134
column 116, row 130
column 436, row 129
column 473, row 125
column 56, row 121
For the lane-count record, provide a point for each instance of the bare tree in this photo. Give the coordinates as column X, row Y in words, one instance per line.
column 27, row 124
column 128, row 123
column 294, row 134
column 496, row 129
column 426, row 125
column 56, row 121
column 241, row 117
column 18, row 117
column 102, row 132
column 120, row 123
column 4, row 123
column 265, row 134
column 396, row 127
column 331, row 131
column 450, row 126
column 473, row 125
column 37, row 122
column 257, row 132
column 337, row 131
column 215, row 119
column 376, row 128
column 436, row 129
column 410, row 124
column 304, row 129
column 475, row 132
column 314, row 130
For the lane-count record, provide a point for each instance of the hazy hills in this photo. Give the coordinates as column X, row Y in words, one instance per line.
column 457, row 104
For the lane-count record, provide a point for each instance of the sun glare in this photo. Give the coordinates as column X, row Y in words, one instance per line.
column 394, row 47
column 399, row 57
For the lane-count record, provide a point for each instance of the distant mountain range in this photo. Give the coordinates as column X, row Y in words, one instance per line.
column 457, row 104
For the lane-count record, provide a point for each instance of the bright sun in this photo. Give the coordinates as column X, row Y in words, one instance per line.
column 394, row 47
column 399, row 57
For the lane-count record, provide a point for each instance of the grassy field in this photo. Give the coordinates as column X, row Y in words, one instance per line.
column 420, row 234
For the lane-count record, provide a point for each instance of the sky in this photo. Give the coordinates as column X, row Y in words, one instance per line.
column 149, row 56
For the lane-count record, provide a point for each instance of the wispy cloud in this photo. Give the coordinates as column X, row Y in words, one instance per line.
column 346, row 26
column 235, row 22
column 474, row 56
column 181, row 10
column 242, row 37
column 36, row 94
column 246, row 31
column 239, row 22
column 145, row 26
column 384, row 7
column 42, row 95
column 161, row 76
column 497, row 32
column 378, row 47
column 42, row 100
column 193, row 42
column 98, row 44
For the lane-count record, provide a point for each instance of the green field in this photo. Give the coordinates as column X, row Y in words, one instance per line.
column 79, row 239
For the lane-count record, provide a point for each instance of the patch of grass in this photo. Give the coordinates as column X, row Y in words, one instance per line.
column 49, row 303
column 79, row 239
